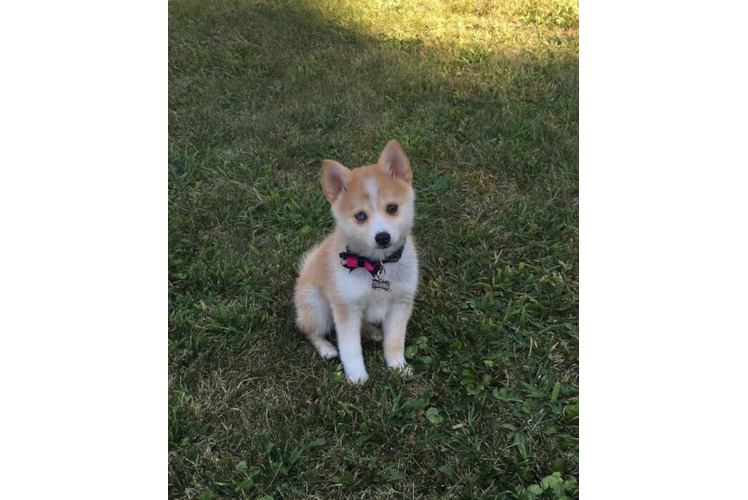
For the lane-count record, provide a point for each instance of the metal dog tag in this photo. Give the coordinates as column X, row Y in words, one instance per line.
column 379, row 282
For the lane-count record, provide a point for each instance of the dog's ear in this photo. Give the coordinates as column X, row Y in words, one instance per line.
column 334, row 179
column 395, row 163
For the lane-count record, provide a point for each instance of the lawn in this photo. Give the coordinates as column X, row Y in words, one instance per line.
column 483, row 97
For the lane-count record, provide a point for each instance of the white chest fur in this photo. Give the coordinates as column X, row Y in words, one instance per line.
column 355, row 290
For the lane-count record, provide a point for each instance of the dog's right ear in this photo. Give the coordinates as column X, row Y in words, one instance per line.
column 395, row 162
column 334, row 179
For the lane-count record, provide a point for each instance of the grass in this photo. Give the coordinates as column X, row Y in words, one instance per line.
column 483, row 96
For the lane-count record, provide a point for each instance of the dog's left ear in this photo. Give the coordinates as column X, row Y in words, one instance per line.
column 334, row 179
column 395, row 163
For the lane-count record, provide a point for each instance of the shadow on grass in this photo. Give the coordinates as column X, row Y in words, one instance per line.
column 288, row 87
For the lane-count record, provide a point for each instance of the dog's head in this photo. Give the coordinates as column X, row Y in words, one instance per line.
column 373, row 205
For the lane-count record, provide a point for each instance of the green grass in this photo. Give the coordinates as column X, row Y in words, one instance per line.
column 483, row 96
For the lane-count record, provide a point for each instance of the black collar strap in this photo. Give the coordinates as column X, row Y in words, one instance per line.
column 354, row 261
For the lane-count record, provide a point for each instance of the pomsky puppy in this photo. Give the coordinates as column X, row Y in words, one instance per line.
column 364, row 275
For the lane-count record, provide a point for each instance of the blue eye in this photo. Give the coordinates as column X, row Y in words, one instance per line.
column 361, row 216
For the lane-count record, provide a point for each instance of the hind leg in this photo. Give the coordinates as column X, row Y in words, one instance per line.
column 314, row 318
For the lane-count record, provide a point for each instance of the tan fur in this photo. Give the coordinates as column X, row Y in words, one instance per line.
column 356, row 198
column 316, row 271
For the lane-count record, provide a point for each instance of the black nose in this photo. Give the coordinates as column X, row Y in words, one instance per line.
column 382, row 239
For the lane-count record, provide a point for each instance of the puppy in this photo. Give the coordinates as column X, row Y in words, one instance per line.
column 365, row 274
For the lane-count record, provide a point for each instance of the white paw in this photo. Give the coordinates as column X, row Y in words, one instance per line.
column 328, row 351
column 402, row 369
column 357, row 377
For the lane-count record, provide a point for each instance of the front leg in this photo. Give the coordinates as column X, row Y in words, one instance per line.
column 394, row 335
column 348, row 327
